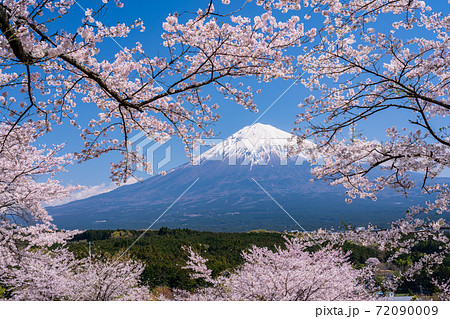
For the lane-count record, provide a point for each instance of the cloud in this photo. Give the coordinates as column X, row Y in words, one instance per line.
column 90, row 191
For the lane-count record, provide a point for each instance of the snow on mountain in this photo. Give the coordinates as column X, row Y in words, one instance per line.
column 256, row 144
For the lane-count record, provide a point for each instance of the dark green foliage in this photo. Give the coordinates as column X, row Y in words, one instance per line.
column 5, row 292
column 94, row 235
column 359, row 254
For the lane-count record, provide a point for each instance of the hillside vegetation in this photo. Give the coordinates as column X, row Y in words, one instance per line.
column 162, row 251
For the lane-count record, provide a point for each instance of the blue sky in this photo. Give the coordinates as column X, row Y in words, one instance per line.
column 282, row 114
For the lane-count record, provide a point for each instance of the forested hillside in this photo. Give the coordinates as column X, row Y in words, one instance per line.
column 162, row 250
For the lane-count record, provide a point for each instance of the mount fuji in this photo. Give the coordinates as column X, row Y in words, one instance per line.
column 230, row 187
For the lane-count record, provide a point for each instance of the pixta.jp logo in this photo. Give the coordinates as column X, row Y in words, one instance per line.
column 156, row 154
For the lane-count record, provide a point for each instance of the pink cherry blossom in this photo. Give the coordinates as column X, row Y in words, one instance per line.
column 288, row 273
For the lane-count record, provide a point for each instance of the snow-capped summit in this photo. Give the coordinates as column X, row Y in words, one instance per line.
column 255, row 144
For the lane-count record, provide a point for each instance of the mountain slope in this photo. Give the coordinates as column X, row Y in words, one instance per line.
column 226, row 196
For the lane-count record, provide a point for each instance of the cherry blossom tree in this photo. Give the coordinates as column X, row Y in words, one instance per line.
column 34, row 264
column 395, row 241
column 312, row 266
column 116, row 278
column 24, row 190
column 288, row 273
column 57, row 275
column 444, row 287
column 56, row 66
column 374, row 60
